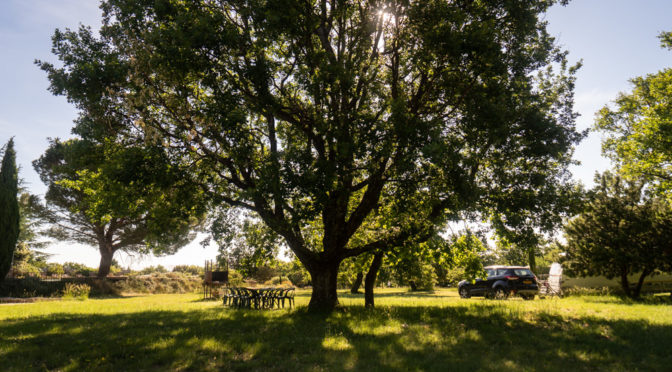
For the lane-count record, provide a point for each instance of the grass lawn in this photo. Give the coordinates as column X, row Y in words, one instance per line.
column 407, row 331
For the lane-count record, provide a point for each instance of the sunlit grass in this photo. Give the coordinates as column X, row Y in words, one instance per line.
column 406, row 331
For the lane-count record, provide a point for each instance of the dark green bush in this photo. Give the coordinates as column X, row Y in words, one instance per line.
column 76, row 269
column 160, row 283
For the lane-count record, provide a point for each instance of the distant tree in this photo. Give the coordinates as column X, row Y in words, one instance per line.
column 524, row 218
column 639, row 129
column 117, row 198
column 245, row 243
column 189, row 269
column 9, row 208
column 77, row 269
column 54, row 269
column 29, row 259
column 354, row 269
column 414, row 265
column 158, row 269
column 620, row 233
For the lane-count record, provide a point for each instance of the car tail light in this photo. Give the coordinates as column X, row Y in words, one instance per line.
column 512, row 277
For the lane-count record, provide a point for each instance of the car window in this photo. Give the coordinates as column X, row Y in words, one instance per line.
column 501, row 272
column 523, row 272
column 490, row 272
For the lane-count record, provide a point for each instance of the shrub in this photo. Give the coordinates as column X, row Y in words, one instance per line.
column 54, row 269
column 424, row 279
column 25, row 270
column 153, row 269
column 27, row 287
column 189, row 269
column 76, row 291
column 103, row 287
column 159, row 283
column 77, row 269
column 299, row 278
column 264, row 273
column 278, row 281
column 235, row 278
column 450, row 277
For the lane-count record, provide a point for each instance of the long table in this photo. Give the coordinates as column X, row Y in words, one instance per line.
column 258, row 298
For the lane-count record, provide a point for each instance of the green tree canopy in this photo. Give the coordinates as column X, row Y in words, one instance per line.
column 620, row 233
column 245, row 243
column 346, row 126
column 639, row 128
column 117, row 198
column 9, row 208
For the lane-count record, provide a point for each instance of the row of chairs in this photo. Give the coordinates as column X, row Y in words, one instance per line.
column 258, row 298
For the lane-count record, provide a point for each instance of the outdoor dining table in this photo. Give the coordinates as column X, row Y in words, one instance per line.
column 258, row 298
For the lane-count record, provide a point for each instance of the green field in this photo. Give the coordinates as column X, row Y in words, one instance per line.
column 408, row 331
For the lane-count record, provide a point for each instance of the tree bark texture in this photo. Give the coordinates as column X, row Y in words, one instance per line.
column 106, row 254
column 370, row 280
column 324, row 280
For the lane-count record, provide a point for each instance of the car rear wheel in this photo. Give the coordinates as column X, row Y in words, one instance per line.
column 464, row 292
column 501, row 293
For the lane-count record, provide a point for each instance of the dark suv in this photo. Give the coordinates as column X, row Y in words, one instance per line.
column 502, row 281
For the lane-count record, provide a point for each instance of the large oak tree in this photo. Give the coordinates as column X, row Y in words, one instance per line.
column 347, row 126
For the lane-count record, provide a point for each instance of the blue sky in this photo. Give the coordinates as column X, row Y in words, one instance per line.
column 616, row 39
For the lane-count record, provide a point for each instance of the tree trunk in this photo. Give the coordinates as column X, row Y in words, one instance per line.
column 324, row 280
column 532, row 259
column 640, row 282
column 414, row 287
column 106, row 254
column 370, row 280
column 358, row 283
column 625, row 285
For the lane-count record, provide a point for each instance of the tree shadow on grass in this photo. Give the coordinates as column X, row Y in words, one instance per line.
column 114, row 297
column 400, row 294
column 464, row 338
column 644, row 300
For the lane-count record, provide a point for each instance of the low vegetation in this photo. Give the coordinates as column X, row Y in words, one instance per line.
column 154, row 283
column 407, row 331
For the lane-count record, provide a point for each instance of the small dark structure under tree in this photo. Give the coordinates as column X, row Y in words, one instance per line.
column 215, row 276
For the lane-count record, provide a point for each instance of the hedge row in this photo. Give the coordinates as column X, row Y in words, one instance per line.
column 153, row 283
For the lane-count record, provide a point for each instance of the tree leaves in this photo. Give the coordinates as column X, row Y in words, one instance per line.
column 639, row 129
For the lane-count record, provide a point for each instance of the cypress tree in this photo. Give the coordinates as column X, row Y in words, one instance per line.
column 9, row 209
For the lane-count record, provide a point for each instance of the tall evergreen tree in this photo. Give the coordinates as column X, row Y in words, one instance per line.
column 9, row 208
